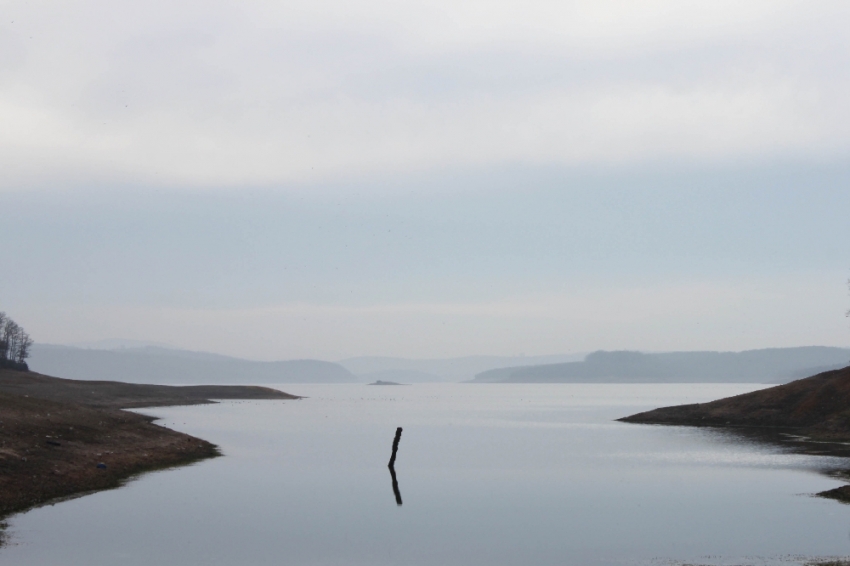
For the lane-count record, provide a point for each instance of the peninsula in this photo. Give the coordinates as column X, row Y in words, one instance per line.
column 817, row 406
column 62, row 438
column 815, row 409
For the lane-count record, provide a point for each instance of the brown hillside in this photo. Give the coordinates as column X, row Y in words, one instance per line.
column 119, row 395
column 818, row 406
column 62, row 437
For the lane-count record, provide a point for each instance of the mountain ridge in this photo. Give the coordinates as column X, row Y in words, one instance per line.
column 153, row 364
column 766, row 365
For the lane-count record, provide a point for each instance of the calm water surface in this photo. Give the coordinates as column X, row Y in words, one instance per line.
column 489, row 474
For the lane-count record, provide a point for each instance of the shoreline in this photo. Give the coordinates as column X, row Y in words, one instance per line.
column 61, row 439
column 807, row 416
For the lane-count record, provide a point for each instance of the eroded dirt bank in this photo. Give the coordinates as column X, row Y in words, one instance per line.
column 60, row 438
column 810, row 415
column 817, row 406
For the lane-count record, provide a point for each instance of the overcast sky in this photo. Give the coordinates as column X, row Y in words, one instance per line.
column 326, row 179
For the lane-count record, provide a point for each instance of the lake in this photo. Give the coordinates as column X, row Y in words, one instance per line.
column 489, row 474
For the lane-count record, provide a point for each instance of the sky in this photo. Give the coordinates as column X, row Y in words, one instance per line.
column 326, row 179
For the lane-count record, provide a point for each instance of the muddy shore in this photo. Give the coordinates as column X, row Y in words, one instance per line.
column 817, row 407
column 810, row 416
column 61, row 438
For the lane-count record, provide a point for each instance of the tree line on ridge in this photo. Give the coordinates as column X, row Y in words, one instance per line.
column 15, row 344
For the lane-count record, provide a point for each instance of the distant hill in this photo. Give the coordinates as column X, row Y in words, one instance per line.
column 819, row 404
column 166, row 366
column 441, row 369
column 774, row 365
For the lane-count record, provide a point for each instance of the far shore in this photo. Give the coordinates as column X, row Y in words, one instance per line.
column 63, row 438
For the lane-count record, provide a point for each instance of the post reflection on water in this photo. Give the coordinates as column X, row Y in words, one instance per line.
column 395, row 486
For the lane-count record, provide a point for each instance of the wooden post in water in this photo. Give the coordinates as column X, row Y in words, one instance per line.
column 395, row 446
column 391, row 466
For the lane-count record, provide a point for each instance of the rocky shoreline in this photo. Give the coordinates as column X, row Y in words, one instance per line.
column 62, row 438
column 810, row 415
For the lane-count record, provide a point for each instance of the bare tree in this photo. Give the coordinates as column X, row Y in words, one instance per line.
column 4, row 346
column 24, row 345
column 11, row 332
column 15, row 343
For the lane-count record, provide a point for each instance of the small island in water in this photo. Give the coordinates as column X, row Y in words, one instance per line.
column 379, row 382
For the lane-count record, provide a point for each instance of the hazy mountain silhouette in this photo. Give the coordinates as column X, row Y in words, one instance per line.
column 774, row 365
column 151, row 364
column 166, row 366
column 442, row 369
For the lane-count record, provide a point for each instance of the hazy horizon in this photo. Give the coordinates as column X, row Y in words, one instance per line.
column 123, row 344
column 328, row 180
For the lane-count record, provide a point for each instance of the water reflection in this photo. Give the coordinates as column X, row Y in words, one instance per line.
column 832, row 461
column 531, row 474
column 395, row 485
